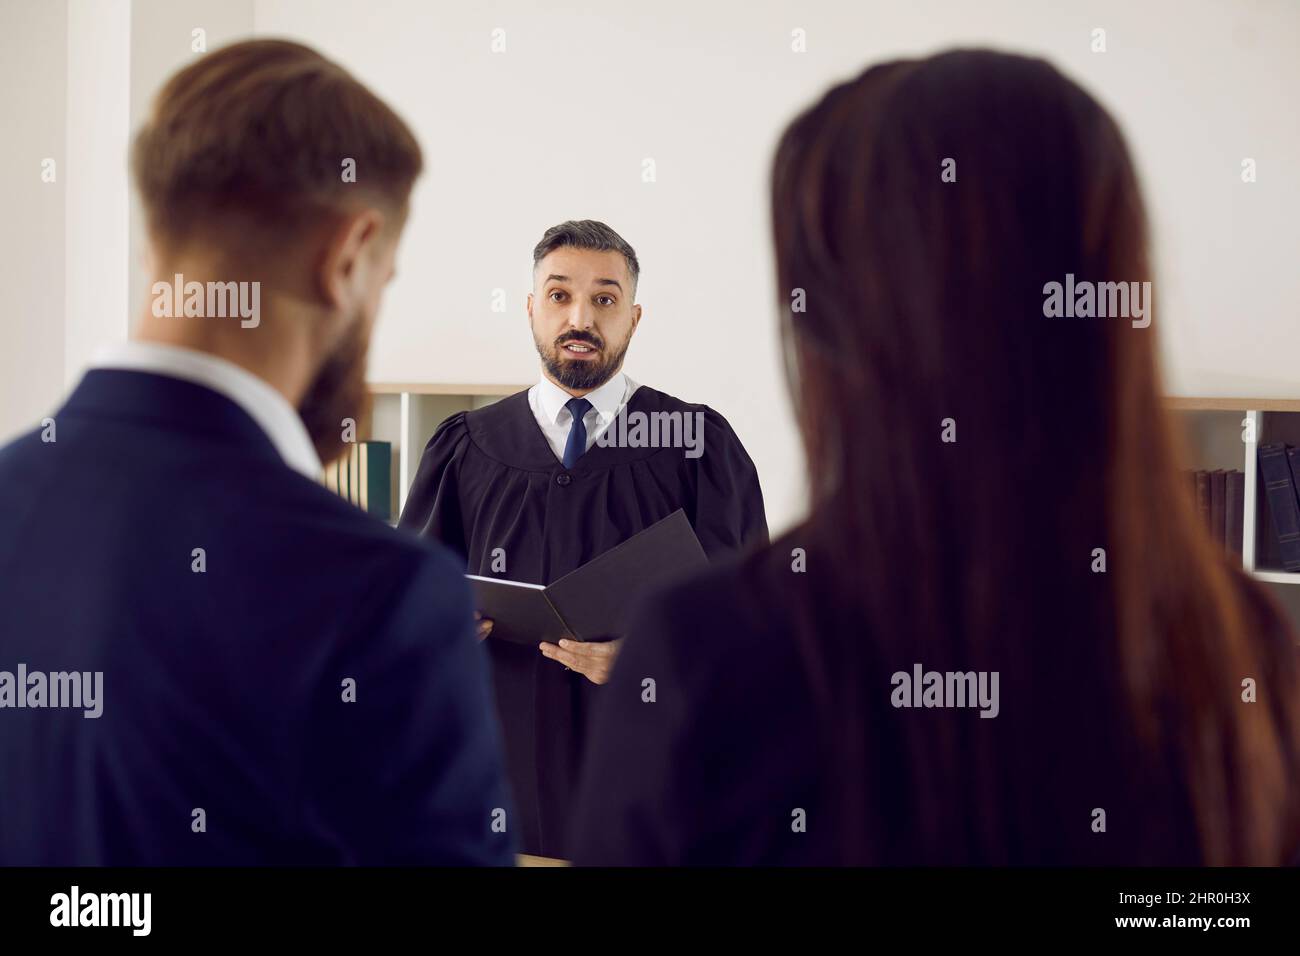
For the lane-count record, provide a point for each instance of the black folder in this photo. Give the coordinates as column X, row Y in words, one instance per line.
column 593, row 602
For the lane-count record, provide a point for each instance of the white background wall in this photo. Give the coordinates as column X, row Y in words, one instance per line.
column 559, row 124
column 97, row 304
column 33, row 90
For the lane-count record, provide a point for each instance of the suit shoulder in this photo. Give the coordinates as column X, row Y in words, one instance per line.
column 20, row 447
column 390, row 577
column 304, row 511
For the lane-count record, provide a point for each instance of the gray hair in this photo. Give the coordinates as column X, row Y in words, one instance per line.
column 587, row 234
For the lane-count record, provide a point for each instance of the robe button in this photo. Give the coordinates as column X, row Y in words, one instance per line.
column 563, row 479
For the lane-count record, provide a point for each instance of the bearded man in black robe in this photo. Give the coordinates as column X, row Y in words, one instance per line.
column 536, row 485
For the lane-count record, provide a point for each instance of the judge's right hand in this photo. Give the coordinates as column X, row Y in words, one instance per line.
column 484, row 625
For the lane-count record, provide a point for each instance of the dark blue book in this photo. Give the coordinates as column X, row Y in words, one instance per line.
column 1275, row 468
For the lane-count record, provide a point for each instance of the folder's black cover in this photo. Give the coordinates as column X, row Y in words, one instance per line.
column 593, row 601
column 521, row 613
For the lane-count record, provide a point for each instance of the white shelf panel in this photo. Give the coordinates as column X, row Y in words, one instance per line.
column 1277, row 577
column 1250, row 436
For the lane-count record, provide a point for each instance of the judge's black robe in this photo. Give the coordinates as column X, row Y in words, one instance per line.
column 488, row 479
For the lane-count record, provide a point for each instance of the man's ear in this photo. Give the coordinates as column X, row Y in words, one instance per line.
column 346, row 257
column 636, row 316
column 530, row 308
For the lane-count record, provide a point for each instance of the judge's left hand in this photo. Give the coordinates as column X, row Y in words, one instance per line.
column 594, row 660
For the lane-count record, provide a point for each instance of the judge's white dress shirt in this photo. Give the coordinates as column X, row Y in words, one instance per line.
column 548, row 400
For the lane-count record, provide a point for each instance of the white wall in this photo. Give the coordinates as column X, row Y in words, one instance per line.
column 33, row 61
column 96, row 300
column 557, row 127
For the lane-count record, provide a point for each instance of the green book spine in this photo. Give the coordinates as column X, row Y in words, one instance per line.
column 379, row 475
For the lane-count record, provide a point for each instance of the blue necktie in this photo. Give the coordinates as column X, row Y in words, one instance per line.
column 577, row 443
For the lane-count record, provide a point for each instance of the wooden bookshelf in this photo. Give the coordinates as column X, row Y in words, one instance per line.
column 1184, row 403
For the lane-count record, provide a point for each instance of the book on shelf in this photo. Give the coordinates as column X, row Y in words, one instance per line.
column 364, row 475
column 1219, row 495
column 1218, row 507
column 1203, row 496
column 1234, row 520
column 1277, row 475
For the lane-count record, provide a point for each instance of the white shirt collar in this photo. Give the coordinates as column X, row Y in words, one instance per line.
column 267, row 407
column 606, row 400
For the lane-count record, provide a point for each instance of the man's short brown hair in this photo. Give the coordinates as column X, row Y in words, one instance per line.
column 262, row 130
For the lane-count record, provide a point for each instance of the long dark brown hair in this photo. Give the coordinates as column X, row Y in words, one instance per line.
column 972, row 462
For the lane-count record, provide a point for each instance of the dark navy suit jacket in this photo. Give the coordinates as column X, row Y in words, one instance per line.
column 223, row 690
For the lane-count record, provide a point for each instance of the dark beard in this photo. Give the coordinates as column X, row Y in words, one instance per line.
column 337, row 392
column 578, row 374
